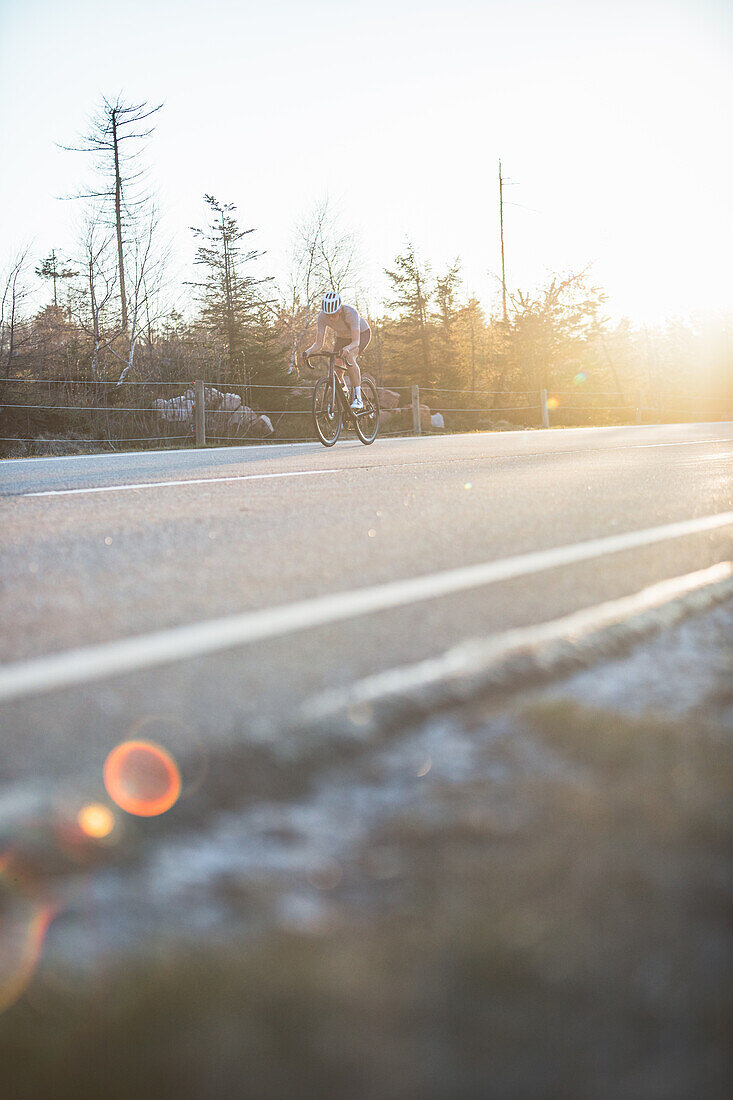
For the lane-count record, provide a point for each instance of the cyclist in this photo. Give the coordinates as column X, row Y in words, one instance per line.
column 351, row 336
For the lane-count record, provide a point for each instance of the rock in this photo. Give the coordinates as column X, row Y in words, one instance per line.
column 247, row 422
column 177, row 409
column 241, row 421
column 388, row 399
column 400, row 420
column 262, row 427
column 230, row 402
column 212, row 397
column 225, row 414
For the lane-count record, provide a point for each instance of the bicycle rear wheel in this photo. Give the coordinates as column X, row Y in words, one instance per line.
column 326, row 412
column 367, row 423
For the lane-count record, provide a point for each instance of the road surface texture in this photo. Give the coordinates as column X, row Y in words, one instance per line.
column 82, row 568
column 520, row 897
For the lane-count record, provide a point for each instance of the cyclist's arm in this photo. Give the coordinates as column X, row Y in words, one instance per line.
column 320, row 336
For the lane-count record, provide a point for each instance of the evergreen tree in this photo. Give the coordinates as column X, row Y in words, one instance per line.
column 551, row 328
column 228, row 297
column 265, row 349
column 446, row 314
column 409, row 336
column 49, row 269
column 470, row 334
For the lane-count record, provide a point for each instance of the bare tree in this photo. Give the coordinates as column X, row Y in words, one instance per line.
column 121, row 191
column 101, row 280
column 145, row 276
column 13, row 293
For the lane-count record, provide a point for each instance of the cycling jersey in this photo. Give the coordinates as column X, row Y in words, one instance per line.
column 348, row 327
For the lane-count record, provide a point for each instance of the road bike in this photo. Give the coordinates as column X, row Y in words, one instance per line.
column 331, row 405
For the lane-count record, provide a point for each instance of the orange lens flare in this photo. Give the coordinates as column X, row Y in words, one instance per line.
column 142, row 778
column 96, row 821
column 553, row 403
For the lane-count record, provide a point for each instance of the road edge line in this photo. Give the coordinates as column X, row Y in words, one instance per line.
column 276, row 757
column 525, row 657
column 167, row 646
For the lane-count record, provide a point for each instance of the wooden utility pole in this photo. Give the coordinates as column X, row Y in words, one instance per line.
column 501, row 224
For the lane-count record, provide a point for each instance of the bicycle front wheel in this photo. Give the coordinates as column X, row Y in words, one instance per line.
column 326, row 412
column 367, row 422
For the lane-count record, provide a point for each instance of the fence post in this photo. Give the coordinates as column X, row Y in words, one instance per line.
column 416, row 410
column 545, row 411
column 199, row 414
column 639, row 409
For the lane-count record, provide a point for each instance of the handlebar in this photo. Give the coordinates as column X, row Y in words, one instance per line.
column 320, row 355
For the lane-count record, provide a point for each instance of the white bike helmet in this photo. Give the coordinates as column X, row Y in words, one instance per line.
column 331, row 302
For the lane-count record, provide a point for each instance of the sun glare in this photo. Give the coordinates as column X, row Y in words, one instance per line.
column 96, row 821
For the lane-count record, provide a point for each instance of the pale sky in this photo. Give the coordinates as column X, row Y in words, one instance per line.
column 612, row 116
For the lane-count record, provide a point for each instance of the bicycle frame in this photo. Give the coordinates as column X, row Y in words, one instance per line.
column 342, row 397
column 334, row 398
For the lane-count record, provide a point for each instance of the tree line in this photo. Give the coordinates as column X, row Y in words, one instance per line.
column 109, row 314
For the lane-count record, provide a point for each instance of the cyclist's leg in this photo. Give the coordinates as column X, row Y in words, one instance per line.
column 339, row 364
column 354, row 369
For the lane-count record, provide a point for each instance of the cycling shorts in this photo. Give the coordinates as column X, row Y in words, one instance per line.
column 342, row 342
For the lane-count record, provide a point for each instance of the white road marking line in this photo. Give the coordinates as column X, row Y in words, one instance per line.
column 185, row 481
column 478, row 655
column 677, row 443
column 89, row 663
column 129, row 486
column 120, row 456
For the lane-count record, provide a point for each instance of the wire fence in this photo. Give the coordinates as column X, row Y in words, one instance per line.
column 42, row 415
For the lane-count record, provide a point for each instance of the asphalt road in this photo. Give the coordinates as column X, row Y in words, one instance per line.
column 98, row 549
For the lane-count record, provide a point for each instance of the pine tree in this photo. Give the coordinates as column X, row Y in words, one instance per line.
column 265, row 350
column 470, row 336
column 446, row 315
column 409, row 336
column 549, row 328
column 49, row 269
column 228, row 297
